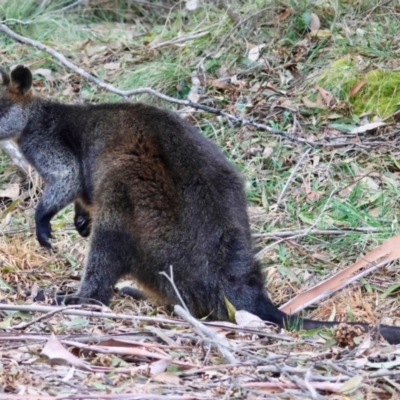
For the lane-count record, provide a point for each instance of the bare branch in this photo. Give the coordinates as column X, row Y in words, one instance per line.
column 290, row 178
column 286, row 233
column 220, row 341
column 180, row 39
column 172, row 282
column 128, row 93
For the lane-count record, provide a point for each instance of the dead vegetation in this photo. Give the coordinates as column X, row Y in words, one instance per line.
column 301, row 97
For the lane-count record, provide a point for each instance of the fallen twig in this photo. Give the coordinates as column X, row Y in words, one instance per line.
column 171, row 281
column 296, row 167
column 126, row 94
column 309, row 229
column 55, row 311
column 343, row 231
column 203, row 331
column 99, row 395
column 136, row 318
column 180, row 39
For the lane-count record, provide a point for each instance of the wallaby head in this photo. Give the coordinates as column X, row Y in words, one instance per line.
column 15, row 98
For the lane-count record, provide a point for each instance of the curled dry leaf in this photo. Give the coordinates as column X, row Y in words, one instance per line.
column 112, row 66
column 267, row 152
column 219, row 85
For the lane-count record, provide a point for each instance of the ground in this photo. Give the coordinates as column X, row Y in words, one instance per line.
column 309, row 94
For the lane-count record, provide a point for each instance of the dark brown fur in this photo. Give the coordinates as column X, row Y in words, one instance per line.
column 153, row 193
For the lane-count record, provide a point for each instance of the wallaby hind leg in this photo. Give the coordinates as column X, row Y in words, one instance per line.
column 111, row 253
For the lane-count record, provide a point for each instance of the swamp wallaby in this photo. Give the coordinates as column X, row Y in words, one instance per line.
column 152, row 192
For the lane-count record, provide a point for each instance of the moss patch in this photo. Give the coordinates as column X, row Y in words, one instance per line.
column 380, row 95
column 340, row 77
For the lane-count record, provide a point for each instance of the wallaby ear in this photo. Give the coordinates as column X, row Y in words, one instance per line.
column 4, row 78
column 21, row 78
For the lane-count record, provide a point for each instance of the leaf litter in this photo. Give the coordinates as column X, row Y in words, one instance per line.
column 88, row 356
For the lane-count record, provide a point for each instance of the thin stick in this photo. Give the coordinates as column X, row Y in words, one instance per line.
column 311, row 390
column 181, row 39
column 290, row 178
column 136, row 318
column 53, row 312
column 241, row 22
column 128, row 93
column 306, row 232
column 287, row 233
column 66, row 8
column 220, row 341
column 171, row 281
column 103, row 396
column 265, row 249
column 86, row 313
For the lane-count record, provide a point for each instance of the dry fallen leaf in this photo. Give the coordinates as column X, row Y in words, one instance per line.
column 283, row 15
column 267, row 152
column 255, row 52
column 158, row 367
column 310, row 104
column 248, row 320
column 320, row 33
column 367, row 127
column 313, row 195
column 191, row 5
column 219, row 85
column 167, row 377
column 59, row 355
column 112, row 66
column 326, row 95
column 356, row 88
column 10, row 191
column 44, row 72
column 315, row 23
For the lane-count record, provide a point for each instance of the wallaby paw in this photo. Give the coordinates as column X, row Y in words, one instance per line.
column 82, row 225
